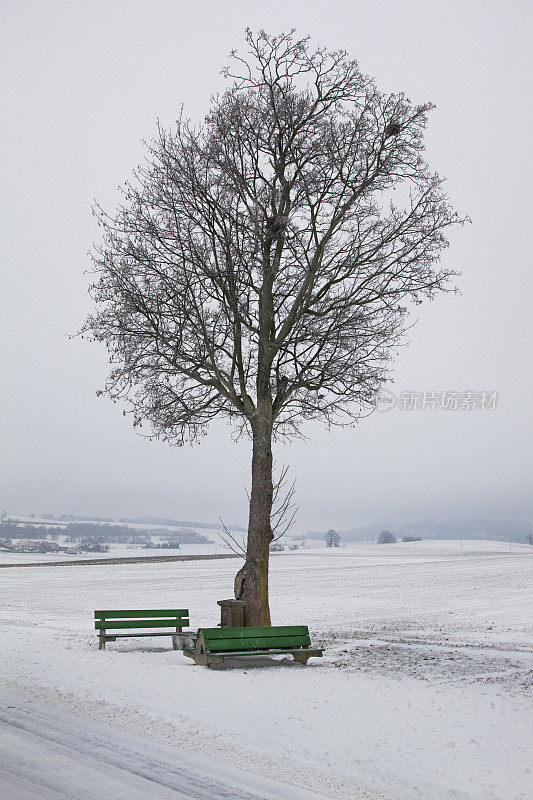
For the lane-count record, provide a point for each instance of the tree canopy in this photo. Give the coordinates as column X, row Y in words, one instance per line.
column 271, row 237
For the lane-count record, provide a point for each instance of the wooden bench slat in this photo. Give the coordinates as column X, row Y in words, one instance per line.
column 248, row 633
column 258, row 642
column 178, row 622
column 237, row 653
column 173, row 612
column 139, row 635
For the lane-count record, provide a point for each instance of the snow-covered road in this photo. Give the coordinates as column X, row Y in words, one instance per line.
column 47, row 754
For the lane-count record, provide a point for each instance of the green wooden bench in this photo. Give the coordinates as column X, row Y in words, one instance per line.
column 134, row 621
column 213, row 645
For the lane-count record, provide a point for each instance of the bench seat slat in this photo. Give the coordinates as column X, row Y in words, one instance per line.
column 232, row 654
column 139, row 635
column 248, row 633
column 128, row 614
column 256, row 643
column 178, row 622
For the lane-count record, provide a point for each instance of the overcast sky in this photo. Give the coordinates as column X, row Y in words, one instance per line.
column 84, row 83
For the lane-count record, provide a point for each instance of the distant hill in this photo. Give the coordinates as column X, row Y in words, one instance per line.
column 175, row 523
column 170, row 523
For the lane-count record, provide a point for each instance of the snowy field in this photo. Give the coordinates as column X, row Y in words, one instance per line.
column 422, row 692
column 217, row 545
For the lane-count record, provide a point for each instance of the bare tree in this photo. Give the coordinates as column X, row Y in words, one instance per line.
column 282, row 517
column 261, row 263
column 332, row 538
column 385, row 537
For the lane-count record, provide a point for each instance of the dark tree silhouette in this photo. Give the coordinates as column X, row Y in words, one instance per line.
column 261, row 263
column 332, row 538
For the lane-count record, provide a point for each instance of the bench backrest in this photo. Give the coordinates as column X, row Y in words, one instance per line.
column 146, row 618
column 218, row 640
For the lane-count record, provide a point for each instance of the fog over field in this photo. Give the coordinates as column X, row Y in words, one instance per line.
column 84, row 83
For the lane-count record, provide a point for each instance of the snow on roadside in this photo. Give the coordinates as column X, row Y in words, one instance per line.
column 421, row 692
column 49, row 754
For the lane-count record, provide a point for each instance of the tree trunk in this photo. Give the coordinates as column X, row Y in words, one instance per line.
column 255, row 595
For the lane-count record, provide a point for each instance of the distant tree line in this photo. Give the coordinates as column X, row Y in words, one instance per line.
column 97, row 532
column 10, row 530
column 105, row 533
column 491, row 530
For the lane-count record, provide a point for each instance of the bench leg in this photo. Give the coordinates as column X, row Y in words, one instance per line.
column 201, row 659
column 302, row 658
column 201, row 656
column 101, row 642
column 175, row 640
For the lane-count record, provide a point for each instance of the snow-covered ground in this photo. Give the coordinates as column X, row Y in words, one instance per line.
column 216, row 545
column 49, row 754
column 422, row 693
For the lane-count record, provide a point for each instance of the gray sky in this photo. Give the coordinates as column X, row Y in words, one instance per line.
column 83, row 84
